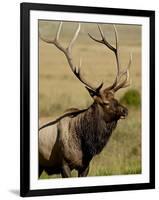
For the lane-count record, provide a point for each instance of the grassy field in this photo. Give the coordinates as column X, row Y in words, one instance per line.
column 59, row 89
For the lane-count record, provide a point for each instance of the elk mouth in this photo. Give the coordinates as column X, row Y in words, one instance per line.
column 123, row 116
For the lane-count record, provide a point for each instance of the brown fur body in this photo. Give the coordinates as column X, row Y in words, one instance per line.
column 74, row 140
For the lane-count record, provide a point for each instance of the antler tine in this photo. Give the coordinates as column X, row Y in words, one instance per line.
column 81, row 78
column 58, row 32
column 103, row 40
column 68, row 54
column 74, row 37
column 55, row 41
column 96, row 40
column 117, row 50
column 126, row 81
column 116, row 37
column 88, row 86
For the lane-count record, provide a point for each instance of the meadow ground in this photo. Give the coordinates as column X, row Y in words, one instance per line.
column 59, row 89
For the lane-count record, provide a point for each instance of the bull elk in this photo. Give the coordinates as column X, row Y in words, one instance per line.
column 72, row 140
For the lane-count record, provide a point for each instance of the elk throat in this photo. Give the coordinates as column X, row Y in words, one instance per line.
column 92, row 131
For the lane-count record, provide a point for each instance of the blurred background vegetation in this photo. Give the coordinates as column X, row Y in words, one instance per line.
column 59, row 89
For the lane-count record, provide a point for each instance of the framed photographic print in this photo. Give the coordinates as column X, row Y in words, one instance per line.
column 87, row 99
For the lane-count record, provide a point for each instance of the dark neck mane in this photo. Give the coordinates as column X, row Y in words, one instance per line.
column 93, row 131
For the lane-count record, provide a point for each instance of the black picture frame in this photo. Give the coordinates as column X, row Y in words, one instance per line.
column 25, row 9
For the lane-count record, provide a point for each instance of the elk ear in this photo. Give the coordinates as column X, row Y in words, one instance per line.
column 91, row 92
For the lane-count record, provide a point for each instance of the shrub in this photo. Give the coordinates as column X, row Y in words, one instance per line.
column 131, row 98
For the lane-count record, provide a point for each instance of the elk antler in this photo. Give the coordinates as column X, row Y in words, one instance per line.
column 117, row 84
column 68, row 53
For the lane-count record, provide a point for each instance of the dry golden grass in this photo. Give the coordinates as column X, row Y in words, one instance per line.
column 59, row 89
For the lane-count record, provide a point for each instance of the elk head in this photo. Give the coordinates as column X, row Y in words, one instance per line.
column 104, row 97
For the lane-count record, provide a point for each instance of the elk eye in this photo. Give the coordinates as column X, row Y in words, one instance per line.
column 107, row 106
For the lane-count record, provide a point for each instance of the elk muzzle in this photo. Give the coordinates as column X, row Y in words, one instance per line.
column 123, row 112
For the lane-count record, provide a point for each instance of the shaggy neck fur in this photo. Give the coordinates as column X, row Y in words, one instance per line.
column 93, row 131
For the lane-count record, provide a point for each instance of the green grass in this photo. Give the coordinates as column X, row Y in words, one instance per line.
column 131, row 98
